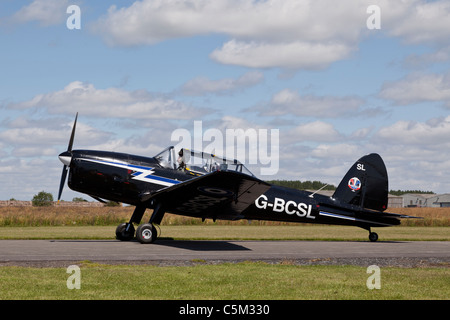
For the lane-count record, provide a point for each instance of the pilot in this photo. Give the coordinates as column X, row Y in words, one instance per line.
column 180, row 160
column 215, row 167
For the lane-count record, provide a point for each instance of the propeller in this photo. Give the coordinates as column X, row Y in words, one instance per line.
column 66, row 158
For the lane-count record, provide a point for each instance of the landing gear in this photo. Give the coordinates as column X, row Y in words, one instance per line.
column 125, row 232
column 373, row 236
column 146, row 233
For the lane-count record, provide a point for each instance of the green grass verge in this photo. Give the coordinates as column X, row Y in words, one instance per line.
column 240, row 281
column 236, row 232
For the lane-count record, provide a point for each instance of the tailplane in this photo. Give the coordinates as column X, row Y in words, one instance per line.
column 365, row 184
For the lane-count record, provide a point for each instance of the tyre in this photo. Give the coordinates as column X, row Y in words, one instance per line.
column 373, row 236
column 146, row 233
column 122, row 234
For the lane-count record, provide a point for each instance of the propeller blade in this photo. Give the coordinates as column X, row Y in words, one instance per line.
column 65, row 158
column 63, row 181
column 69, row 148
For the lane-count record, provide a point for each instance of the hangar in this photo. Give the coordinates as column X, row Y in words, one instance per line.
column 440, row 200
column 419, row 200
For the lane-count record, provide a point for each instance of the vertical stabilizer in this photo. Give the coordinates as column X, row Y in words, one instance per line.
column 365, row 184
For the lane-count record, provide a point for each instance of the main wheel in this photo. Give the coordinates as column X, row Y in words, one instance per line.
column 146, row 233
column 373, row 236
column 122, row 234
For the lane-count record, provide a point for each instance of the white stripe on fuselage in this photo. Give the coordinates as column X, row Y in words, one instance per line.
column 338, row 216
column 145, row 173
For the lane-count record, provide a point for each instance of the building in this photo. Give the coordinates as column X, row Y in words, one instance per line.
column 395, row 201
column 439, row 201
column 425, row 200
column 416, row 199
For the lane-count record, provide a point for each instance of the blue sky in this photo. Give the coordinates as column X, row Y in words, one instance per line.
column 138, row 70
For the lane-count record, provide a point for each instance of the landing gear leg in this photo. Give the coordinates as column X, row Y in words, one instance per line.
column 125, row 231
column 146, row 233
column 373, row 236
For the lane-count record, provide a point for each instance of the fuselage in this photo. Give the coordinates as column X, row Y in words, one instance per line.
column 130, row 179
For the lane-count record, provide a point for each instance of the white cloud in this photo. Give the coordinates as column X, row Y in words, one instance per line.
column 294, row 54
column 287, row 34
column 418, row 21
column 427, row 59
column 29, row 136
column 202, row 85
column 341, row 150
column 41, row 138
column 288, row 101
column 416, row 153
column 147, row 22
column 432, row 135
column 114, row 102
column 418, row 88
column 290, row 34
column 46, row 12
column 24, row 177
column 316, row 131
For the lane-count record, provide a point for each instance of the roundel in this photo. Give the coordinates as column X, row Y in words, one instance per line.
column 354, row 184
column 215, row 192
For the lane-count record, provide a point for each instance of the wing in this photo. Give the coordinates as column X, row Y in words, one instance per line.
column 220, row 194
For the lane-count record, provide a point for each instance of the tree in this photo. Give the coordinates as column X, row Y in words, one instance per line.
column 112, row 204
column 79, row 199
column 42, row 199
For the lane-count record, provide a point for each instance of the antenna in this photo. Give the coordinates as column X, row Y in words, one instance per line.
column 312, row 194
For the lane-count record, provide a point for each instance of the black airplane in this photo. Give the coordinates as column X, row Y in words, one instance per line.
column 206, row 186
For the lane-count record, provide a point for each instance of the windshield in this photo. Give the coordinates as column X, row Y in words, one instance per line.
column 166, row 158
column 201, row 162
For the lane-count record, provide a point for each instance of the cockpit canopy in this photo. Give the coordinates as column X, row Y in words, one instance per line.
column 198, row 163
column 166, row 158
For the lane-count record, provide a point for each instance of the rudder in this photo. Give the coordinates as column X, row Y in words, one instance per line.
column 365, row 184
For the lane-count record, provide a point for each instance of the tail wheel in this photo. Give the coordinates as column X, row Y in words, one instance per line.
column 373, row 236
column 123, row 234
column 146, row 233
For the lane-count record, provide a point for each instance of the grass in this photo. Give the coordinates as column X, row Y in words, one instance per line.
column 236, row 232
column 100, row 223
column 64, row 216
column 108, row 216
column 241, row 281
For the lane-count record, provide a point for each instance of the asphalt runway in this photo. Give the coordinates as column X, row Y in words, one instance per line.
column 172, row 252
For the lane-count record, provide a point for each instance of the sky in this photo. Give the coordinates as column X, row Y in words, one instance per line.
column 319, row 84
